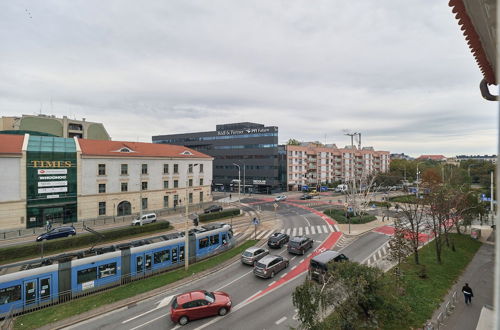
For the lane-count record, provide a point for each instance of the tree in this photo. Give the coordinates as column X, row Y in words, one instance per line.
column 431, row 176
column 399, row 247
column 413, row 216
column 293, row 142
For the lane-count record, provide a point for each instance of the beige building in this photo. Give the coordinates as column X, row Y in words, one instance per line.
column 312, row 164
column 61, row 127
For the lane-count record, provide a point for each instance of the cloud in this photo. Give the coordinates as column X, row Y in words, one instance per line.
column 399, row 72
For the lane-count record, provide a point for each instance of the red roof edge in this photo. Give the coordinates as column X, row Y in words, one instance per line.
column 473, row 40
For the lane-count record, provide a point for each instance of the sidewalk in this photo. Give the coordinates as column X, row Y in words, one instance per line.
column 479, row 275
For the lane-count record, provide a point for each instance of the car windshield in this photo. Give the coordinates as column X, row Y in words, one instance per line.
column 247, row 254
column 294, row 244
column 260, row 265
column 209, row 296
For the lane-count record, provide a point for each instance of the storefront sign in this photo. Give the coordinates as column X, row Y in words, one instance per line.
column 52, row 183
column 259, row 181
column 246, row 131
column 52, row 190
column 51, row 164
column 45, row 171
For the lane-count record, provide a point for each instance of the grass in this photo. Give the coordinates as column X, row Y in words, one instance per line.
column 225, row 217
column 339, row 216
column 404, row 199
column 425, row 295
column 78, row 306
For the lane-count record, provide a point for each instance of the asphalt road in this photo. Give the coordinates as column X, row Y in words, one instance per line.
column 269, row 310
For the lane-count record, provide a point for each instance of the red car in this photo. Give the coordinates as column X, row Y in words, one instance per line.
column 198, row 304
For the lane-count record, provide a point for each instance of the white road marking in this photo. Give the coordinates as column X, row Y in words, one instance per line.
column 288, row 231
column 283, row 275
column 308, row 223
column 313, row 230
column 293, row 258
column 293, row 267
column 325, row 229
column 306, row 230
column 294, row 231
column 281, row 320
column 336, row 228
column 300, row 231
column 79, row 324
column 263, row 233
column 164, row 302
column 150, row 321
column 271, row 283
column 319, row 229
column 331, row 228
column 236, row 279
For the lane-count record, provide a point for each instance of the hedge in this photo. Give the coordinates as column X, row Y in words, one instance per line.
column 31, row 250
column 379, row 204
column 339, row 216
column 218, row 215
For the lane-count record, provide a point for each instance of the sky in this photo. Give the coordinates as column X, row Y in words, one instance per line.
column 399, row 72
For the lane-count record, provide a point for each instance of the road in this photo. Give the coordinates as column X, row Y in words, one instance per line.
column 257, row 303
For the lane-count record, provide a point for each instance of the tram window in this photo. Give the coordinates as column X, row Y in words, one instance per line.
column 215, row 239
column 181, row 253
column 139, row 264
column 174, row 255
column 149, row 262
column 107, row 270
column 10, row 294
column 45, row 288
column 229, row 234
column 86, row 275
column 162, row 256
column 203, row 242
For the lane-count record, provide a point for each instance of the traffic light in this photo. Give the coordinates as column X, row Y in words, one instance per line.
column 195, row 222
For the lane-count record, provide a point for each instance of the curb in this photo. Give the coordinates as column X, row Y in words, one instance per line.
column 135, row 300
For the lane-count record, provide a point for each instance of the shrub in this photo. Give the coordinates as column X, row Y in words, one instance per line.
column 340, row 217
column 379, row 204
column 218, row 215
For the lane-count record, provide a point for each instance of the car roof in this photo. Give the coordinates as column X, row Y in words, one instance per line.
column 252, row 249
column 326, row 256
column 190, row 296
column 277, row 234
column 267, row 259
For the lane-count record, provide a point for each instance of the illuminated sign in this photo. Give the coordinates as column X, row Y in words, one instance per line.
column 247, row 131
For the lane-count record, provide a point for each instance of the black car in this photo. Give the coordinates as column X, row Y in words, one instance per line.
column 299, row 244
column 213, row 208
column 277, row 240
column 305, row 196
column 57, row 233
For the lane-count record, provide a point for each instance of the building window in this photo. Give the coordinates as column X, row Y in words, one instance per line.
column 165, row 184
column 201, row 181
column 176, row 183
column 201, row 168
column 102, row 208
column 190, row 181
column 190, row 168
column 165, row 201
column 201, row 196
column 102, row 188
column 124, row 186
column 176, row 200
column 144, row 169
column 102, row 169
column 190, row 198
column 144, row 185
column 144, row 203
column 124, row 169
column 176, row 168
column 165, row 168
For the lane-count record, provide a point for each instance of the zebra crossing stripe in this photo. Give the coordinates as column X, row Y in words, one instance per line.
column 319, row 229
column 262, row 234
column 325, row 229
column 294, row 231
column 288, row 231
column 313, row 230
column 330, row 227
column 300, row 231
column 307, row 230
column 336, row 228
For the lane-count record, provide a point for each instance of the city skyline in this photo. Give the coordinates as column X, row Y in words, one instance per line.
column 401, row 74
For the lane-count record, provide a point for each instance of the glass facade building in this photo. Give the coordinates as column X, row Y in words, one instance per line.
column 254, row 147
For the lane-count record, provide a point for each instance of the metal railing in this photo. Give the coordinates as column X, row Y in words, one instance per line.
column 448, row 309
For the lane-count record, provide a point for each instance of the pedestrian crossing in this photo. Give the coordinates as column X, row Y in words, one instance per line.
column 297, row 231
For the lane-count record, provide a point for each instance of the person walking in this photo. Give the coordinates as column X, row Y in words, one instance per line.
column 467, row 291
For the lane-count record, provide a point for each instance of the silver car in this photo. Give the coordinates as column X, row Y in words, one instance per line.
column 253, row 254
column 269, row 266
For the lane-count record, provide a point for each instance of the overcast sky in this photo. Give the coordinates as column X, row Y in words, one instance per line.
column 399, row 72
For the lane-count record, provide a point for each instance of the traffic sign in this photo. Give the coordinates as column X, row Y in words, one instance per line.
column 275, row 206
column 346, row 205
column 349, row 209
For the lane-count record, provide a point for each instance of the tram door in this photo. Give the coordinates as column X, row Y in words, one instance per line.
column 44, row 288
column 139, row 264
column 144, row 262
column 149, row 261
column 37, row 290
column 29, row 292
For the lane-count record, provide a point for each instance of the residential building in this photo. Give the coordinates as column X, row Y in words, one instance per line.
column 314, row 164
column 437, row 158
column 66, row 180
column 486, row 158
column 53, row 126
column 401, row 156
column 251, row 146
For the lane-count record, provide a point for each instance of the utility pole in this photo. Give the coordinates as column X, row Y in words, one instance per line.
column 492, row 214
column 351, row 155
column 239, row 182
column 186, row 235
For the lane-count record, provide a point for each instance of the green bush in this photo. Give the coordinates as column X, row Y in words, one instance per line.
column 218, row 215
column 80, row 240
column 340, row 217
column 380, row 204
column 404, row 199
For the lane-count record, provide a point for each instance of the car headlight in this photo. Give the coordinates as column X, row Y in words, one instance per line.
column 229, row 303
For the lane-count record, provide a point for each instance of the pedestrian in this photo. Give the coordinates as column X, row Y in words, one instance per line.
column 467, row 291
column 230, row 196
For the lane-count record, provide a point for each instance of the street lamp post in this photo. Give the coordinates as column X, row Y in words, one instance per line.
column 418, row 180
column 186, row 235
column 239, row 182
column 244, row 177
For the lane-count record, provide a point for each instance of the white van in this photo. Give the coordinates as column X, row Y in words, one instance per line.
column 144, row 219
column 341, row 188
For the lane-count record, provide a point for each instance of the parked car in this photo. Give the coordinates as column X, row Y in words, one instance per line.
column 270, row 265
column 299, row 244
column 57, row 233
column 277, row 240
column 213, row 208
column 280, row 198
column 144, row 219
column 253, row 254
column 195, row 305
column 305, row 196
column 319, row 265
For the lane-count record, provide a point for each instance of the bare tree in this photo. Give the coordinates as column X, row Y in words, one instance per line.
column 400, row 246
column 360, row 191
column 413, row 217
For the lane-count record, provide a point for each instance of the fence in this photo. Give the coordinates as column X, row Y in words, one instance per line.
column 448, row 309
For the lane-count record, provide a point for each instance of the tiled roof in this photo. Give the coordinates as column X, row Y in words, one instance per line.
column 433, row 157
column 136, row 149
column 473, row 39
column 11, row 143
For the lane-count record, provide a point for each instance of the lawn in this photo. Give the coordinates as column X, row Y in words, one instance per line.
column 339, row 216
column 81, row 305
